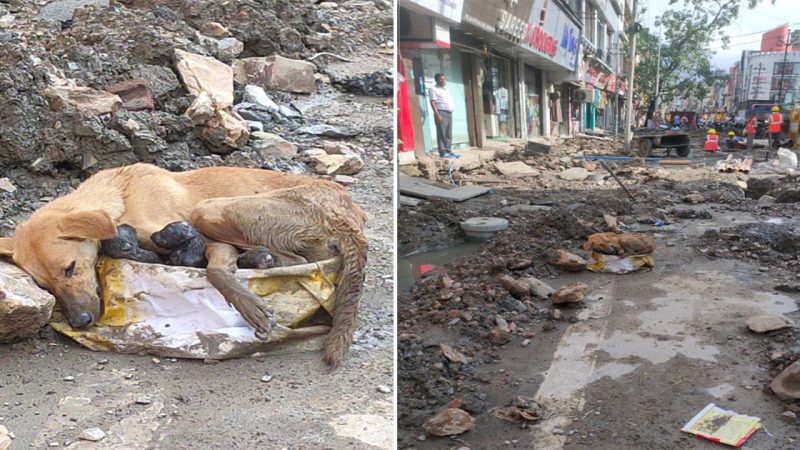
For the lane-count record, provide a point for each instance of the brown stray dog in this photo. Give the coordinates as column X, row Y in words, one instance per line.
column 300, row 219
column 620, row 244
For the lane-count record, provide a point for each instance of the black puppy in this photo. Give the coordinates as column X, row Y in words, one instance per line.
column 257, row 258
column 125, row 246
column 188, row 246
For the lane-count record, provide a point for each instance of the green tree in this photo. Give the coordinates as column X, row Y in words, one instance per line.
column 687, row 31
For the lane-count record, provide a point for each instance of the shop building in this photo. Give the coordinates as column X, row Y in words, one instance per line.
column 511, row 68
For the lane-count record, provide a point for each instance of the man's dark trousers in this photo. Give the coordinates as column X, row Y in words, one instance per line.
column 444, row 132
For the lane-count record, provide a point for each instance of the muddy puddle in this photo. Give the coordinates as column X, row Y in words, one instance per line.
column 410, row 268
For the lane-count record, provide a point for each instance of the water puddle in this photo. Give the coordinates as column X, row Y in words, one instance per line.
column 410, row 268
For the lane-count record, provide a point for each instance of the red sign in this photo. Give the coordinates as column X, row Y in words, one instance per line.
column 539, row 39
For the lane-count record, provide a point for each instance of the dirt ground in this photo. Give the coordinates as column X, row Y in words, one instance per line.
column 644, row 352
column 195, row 404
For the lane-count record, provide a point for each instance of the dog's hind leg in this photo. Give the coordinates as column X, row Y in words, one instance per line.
column 221, row 268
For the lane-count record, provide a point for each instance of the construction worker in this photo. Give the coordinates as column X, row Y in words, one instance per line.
column 775, row 124
column 712, row 141
column 750, row 127
column 730, row 143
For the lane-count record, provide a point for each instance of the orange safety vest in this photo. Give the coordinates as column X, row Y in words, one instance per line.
column 775, row 122
column 712, row 143
column 750, row 127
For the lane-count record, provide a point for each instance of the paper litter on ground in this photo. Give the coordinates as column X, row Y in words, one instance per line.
column 723, row 426
column 619, row 265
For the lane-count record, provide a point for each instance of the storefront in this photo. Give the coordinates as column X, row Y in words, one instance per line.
column 596, row 110
column 497, row 89
column 425, row 49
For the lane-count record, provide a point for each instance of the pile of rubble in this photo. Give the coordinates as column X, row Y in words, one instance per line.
column 175, row 83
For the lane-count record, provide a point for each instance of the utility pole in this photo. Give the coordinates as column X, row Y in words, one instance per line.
column 658, row 70
column 758, row 82
column 783, row 67
column 631, row 73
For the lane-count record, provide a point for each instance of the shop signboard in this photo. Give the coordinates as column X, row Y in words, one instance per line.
column 550, row 32
column 596, row 75
column 445, row 9
column 504, row 18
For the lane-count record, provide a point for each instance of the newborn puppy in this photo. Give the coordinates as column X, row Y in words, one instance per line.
column 125, row 246
column 186, row 243
column 257, row 258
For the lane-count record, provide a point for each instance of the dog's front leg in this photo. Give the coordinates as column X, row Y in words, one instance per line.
column 221, row 269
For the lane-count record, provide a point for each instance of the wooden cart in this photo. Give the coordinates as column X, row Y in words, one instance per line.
column 644, row 144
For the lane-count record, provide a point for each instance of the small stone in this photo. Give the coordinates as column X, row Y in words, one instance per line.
column 384, row 389
column 789, row 417
column 499, row 336
column 539, row 289
column 93, row 434
column 517, row 288
column 268, row 144
column 787, row 385
column 693, row 198
column 266, row 378
column 345, row 180
column 768, row 322
column 213, row 29
column 556, row 314
column 574, row 174
column 336, row 164
column 449, row 422
column 143, row 400
column 69, row 378
column 54, row 444
column 156, row 361
column 567, row 261
column 7, row 185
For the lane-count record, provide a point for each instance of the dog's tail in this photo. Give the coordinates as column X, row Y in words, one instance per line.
column 353, row 250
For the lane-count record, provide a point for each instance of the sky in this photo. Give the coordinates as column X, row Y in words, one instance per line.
column 745, row 32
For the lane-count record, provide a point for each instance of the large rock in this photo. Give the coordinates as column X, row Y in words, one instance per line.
column 571, row 293
column 449, row 422
column 567, row 261
column 229, row 48
column 64, row 93
column 268, row 144
column 276, row 73
column 159, row 80
column 336, row 164
column 517, row 288
column 787, row 385
column 574, row 174
column 205, row 74
column 217, row 125
column 768, row 322
column 24, row 306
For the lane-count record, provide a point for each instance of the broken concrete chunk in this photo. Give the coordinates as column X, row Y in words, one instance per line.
column 449, row 422
column 24, row 306
column 768, row 322
column 203, row 73
column 516, row 169
column 258, row 96
column 539, row 288
column 336, row 164
column 574, row 174
column 82, row 98
column 276, row 72
column 229, row 48
column 268, row 144
column 134, row 94
column 787, row 385
column 571, row 293
column 326, row 130
column 217, row 125
column 345, row 180
column 453, row 354
column 517, row 288
column 567, row 261
column 7, row 185
column 158, row 79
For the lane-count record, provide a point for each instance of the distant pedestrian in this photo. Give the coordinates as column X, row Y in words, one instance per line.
column 676, row 120
column 684, row 121
column 750, row 127
column 443, row 106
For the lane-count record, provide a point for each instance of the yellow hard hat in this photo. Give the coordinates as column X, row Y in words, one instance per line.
column 776, row 108
column 712, row 131
column 731, row 133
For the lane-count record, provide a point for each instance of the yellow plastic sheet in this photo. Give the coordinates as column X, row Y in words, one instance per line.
column 175, row 312
column 723, row 426
column 615, row 264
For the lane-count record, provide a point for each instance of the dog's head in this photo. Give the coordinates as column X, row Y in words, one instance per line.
column 60, row 250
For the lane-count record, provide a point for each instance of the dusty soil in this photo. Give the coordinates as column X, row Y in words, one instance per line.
column 195, row 404
column 631, row 364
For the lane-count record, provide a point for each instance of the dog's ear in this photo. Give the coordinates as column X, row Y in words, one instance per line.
column 6, row 246
column 87, row 225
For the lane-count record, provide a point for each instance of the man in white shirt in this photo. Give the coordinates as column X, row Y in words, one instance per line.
column 442, row 104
